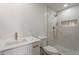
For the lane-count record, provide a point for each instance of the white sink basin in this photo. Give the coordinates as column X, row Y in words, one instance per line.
column 16, row 42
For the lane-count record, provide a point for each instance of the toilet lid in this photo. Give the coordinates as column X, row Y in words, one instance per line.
column 50, row 49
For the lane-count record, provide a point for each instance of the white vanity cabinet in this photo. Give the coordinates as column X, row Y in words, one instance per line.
column 16, row 51
column 36, row 48
column 29, row 49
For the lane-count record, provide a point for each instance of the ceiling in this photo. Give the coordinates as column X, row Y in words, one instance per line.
column 60, row 6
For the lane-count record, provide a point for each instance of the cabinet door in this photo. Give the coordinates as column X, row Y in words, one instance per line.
column 17, row 51
column 36, row 48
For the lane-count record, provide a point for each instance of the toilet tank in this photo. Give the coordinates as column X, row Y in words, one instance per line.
column 43, row 41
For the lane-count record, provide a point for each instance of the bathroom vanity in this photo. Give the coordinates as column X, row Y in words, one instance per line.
column 26, row 46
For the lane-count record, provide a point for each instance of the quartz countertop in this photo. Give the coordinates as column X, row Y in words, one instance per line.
column 28, row 40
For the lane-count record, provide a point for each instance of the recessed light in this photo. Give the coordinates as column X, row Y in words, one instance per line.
column 65, row 5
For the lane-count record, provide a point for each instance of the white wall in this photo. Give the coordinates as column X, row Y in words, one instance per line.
column 26, row 19
column 68, row 14
column 35, row 19
column 9, row 19
column 69, row 37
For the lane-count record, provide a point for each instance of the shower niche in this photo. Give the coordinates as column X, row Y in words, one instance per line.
column 69, row 23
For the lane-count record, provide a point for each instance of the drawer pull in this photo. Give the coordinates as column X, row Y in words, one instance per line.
column 34, row 46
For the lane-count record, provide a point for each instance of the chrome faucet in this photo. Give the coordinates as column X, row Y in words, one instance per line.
column 16, row 36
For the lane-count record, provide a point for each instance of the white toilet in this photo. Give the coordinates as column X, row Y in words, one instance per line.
column 47, row 48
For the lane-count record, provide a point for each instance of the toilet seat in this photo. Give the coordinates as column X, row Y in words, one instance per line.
column 51, row 50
